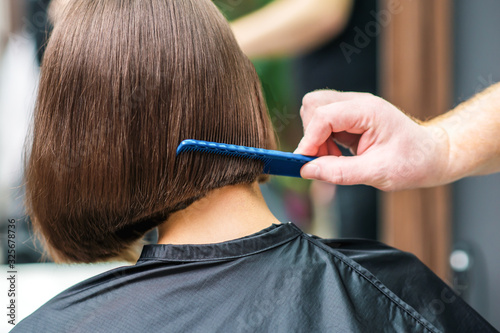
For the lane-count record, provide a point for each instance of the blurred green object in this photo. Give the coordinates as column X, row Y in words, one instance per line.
column 234, row 9
column 276, row 77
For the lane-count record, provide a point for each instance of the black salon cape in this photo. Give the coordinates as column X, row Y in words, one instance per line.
column 277, row 280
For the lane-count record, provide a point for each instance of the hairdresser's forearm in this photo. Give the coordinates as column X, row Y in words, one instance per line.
column 473, row 133
column 288, row 27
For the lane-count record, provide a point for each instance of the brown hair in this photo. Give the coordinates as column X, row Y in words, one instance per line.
column 122, row 84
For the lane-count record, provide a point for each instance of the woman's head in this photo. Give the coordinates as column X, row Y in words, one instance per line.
column 123, row 83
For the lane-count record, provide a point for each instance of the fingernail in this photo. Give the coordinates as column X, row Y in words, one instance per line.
column 310, row 171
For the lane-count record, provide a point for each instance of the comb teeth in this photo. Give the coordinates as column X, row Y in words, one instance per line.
column 275, row 162
column 226, row 153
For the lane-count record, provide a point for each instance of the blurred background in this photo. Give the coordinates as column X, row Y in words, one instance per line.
column 425, row 56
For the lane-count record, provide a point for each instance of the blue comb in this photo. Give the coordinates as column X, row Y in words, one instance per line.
column 275, row 162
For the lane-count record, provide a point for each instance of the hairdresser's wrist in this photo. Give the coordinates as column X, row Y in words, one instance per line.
column 445, row 167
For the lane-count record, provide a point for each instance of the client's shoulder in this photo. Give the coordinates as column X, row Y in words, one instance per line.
column 401, row 277
column 74, row 308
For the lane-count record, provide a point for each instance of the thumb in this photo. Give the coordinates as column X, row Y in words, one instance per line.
column 340, row 170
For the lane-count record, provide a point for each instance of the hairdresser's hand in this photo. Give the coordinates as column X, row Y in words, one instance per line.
column 392, row 151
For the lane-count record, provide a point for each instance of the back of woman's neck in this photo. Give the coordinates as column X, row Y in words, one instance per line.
column 224, row 214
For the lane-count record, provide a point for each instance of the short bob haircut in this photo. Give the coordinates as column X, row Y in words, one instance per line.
column 123, row 82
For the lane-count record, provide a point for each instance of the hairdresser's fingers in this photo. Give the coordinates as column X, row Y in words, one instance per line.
column 333, row 149
column 348, row 140
column 337, row 117
column 329, row 148
column 340, row 170
column 323, row 149
column 320, row 98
